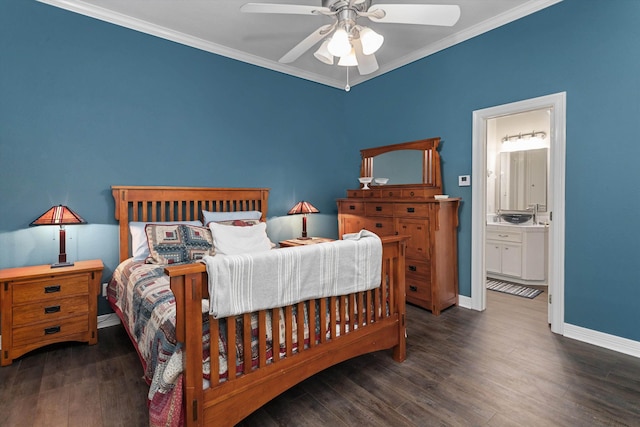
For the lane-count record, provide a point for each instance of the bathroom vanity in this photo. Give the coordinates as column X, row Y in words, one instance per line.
column 517, row 253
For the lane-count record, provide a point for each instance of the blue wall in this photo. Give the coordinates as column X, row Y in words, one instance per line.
column 588, row 49
column 85, row 105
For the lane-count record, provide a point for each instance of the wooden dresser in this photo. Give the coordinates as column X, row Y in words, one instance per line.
column 41, row 305
column 411, row 209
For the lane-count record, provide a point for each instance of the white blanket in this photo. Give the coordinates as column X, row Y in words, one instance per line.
column 279, row 277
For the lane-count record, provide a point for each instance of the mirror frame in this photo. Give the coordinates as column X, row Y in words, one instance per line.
column 430, row 160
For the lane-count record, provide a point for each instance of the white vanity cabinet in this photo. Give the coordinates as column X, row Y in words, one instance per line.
column 516, row 253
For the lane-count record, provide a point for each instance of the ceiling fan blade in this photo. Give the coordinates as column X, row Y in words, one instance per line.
column 291, row 9
column 367, row 64
column 421, row 14
column 306, row 44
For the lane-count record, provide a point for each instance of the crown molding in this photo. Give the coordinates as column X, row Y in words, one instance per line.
column 93, row 11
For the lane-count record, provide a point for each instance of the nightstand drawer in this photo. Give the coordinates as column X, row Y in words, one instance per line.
column 49, row 310
column 50, row 330
column 50, row 289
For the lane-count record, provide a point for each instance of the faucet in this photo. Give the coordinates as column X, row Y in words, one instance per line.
column 534, row 209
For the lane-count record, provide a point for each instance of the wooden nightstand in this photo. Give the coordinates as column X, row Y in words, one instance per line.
column 41, row 305
column 303, row 242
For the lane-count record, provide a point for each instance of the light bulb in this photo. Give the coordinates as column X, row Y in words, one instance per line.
column 339, row 44
column 371, row 41
column 323, row 55
column 349, row 60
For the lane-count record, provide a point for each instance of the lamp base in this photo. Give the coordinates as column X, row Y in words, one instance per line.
column 61, row 264
column 304, row 238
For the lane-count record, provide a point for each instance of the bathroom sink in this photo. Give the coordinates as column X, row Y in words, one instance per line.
column 516, row 218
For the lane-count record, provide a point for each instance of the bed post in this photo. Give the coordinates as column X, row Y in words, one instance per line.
column 394, row 264
column 187, row 281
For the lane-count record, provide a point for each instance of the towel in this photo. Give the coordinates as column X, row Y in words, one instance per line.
column 258, row 281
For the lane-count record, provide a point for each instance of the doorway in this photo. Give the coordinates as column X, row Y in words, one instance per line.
column 556, row 104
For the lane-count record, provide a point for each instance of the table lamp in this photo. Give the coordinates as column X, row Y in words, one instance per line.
column 303, row 208
column 60, row 215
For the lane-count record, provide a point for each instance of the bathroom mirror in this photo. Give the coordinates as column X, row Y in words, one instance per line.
column 415, row 162
column 523, row 180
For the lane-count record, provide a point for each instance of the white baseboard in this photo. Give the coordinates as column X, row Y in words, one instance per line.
column 464, row 302
column 611, row 342
column 106, row 320
column 589, row 336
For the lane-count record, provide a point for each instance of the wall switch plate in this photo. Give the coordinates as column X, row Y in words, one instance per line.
column 464, row 180
column 104, row 289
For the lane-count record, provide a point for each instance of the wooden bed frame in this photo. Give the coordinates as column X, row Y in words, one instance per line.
column 378, row 325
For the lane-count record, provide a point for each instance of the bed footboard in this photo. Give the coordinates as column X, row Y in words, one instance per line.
column 345, row 326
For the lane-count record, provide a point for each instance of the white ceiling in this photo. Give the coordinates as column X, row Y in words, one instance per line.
column 218, row 26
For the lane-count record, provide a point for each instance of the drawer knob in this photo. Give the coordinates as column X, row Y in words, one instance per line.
column 52, row 309
column 378, row 208
column 411, row 210
column 51, row 289
column 352, row 207
column 503, row 235
column 413, row 288
column 52, row 330
column 413, row 268
column 378, row 225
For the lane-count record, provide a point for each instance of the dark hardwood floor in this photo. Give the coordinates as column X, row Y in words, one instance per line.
column 502, row 367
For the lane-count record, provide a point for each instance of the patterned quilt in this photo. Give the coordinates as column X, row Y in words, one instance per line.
column 141, row 296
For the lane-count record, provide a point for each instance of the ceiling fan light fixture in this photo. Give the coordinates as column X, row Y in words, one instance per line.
column 339, row 44
column 349, row 60
column 323, row 54
column 371, row 41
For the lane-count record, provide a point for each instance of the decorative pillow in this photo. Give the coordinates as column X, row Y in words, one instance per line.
column 208, row 216
column 139, row 244
column 178, row 243
column 232, row 240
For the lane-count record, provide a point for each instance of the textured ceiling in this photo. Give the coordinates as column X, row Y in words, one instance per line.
column 218, row 26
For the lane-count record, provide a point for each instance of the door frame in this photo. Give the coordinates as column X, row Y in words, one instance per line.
column 557, row 103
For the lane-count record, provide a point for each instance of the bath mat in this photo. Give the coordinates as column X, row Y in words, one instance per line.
column 512, row 289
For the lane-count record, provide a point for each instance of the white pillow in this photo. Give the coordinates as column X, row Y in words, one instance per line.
column 139, row 245
column 208, row 216
column 232, row 240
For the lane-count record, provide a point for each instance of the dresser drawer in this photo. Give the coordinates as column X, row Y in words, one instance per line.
column 505, row 236
column 411, row 210
column 418, row 290
column 418, row 246
column 379, row 209
column 54, row 330
column 351, row 207
column 418, row 271
column 50, row 310
column 380, row 226
column 415, row 193
column 50, row 288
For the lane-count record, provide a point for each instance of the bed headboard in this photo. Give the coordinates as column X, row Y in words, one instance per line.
column 151, row 203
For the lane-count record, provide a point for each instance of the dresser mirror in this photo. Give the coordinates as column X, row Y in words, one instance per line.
column 408, row 163
column 523, row 180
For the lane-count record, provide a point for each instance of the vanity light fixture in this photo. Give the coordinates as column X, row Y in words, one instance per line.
column 61, row 216
column 532, row 134
column 303, row 208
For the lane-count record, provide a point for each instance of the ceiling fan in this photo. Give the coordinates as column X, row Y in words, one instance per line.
column 352, row 43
